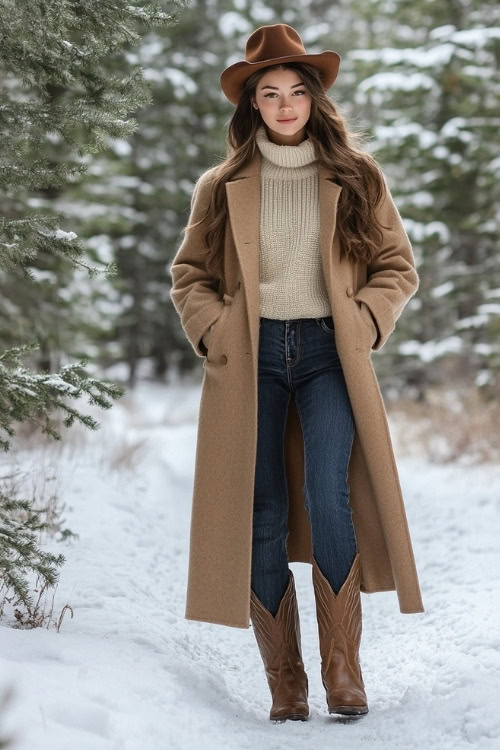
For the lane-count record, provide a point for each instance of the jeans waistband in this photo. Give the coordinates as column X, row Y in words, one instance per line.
column 296, row 320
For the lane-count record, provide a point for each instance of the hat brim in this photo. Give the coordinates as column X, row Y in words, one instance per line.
column 233, row 78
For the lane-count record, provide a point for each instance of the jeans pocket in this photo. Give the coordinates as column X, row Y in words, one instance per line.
column 327, row 324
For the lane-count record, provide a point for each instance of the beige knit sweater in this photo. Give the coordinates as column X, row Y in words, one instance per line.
column 292, row 283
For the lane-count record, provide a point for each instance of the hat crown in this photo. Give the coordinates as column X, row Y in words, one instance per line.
column 276, row 40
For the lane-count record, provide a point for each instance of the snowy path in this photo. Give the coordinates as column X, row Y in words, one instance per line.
column 128, row 672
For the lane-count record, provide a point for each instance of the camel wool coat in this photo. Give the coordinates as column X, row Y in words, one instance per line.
column 366, row 301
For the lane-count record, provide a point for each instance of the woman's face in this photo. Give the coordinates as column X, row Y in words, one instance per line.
column 281, row 94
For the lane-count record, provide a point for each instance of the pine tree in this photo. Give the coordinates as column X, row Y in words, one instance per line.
column 59, row 106
column 430, row 89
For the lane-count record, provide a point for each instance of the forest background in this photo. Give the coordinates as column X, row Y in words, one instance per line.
column 418, row 79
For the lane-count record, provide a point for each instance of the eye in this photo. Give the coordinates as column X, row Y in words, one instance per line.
column 273, row 94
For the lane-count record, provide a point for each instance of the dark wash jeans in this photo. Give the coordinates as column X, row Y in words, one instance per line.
column 300, row 356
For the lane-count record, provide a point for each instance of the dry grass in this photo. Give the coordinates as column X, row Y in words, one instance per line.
column 454, row 425
column 124, row 455
column 42, row 484
column 117, row 453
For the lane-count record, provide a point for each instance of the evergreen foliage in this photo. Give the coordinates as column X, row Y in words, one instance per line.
column 59, row 106
column 428, row 91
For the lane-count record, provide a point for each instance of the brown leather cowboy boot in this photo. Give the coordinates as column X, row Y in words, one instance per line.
column 339, row 628
column 278, row 639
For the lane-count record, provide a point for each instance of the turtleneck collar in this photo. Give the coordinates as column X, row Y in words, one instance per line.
column 285, row 156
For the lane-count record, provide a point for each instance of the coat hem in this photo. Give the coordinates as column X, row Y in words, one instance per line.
column 404, row 611
column 211, row 621
column 228, row 624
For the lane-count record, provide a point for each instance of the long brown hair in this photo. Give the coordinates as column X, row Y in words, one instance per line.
column 337, row 148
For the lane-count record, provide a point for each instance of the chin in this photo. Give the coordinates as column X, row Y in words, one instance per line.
column 287, row 128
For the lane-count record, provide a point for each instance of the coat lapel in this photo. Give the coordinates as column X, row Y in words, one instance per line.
column 243, row 198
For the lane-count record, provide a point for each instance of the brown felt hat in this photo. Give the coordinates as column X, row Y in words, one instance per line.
column 270, row 45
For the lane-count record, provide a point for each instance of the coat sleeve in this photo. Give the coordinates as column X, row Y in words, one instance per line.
column 392, row 276
column 194, row 291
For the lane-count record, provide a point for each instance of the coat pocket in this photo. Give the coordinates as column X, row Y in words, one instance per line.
column 214, row 337
column 366, row 321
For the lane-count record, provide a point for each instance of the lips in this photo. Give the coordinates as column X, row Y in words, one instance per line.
column 288, row 119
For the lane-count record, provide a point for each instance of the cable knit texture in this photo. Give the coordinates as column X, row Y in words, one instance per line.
column 292, row 283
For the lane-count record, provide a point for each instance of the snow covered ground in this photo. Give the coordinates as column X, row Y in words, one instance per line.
column 128, row 672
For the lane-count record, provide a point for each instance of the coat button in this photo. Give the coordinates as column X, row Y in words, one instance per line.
column 223, row 359
column 349, row 291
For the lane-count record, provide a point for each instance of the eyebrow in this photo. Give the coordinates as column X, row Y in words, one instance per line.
column 267, row 86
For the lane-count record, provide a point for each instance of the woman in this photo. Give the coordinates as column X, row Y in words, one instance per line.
column 294, row 267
